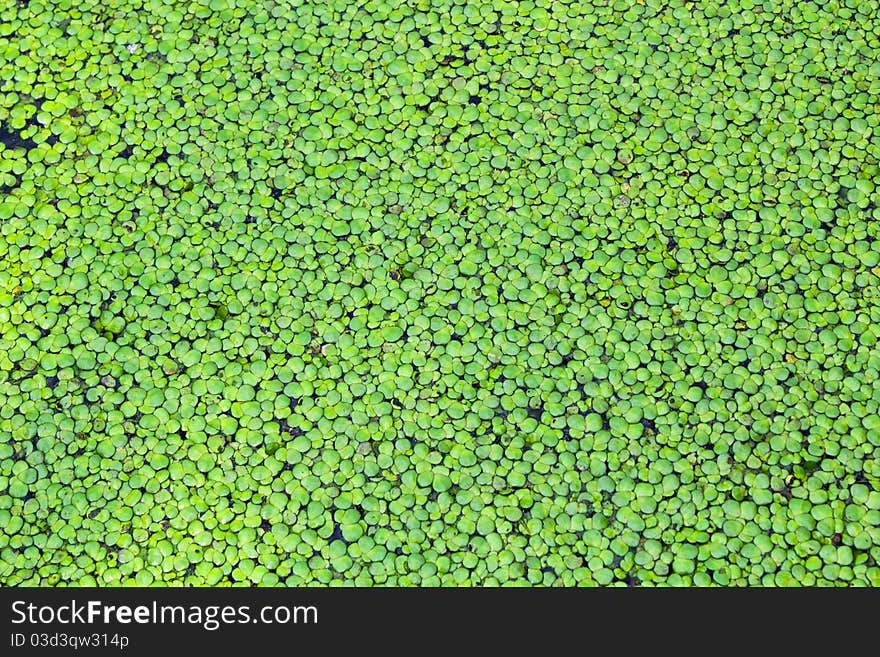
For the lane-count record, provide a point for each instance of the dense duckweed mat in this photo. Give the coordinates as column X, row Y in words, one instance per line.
column 439, row 293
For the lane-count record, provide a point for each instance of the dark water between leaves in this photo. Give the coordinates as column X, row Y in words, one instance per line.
column 13, row 140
